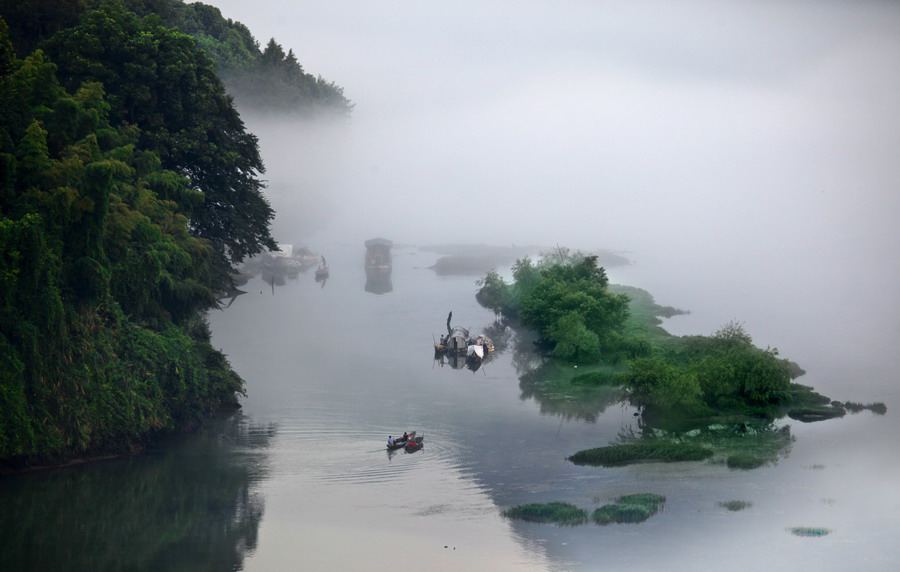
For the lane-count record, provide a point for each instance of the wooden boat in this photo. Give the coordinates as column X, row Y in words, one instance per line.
column 400, row 443
column 414, row 444
column 322, row 271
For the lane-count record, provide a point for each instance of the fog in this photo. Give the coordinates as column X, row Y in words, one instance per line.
column 714, row 125
column 722, row 146
column 742, row 154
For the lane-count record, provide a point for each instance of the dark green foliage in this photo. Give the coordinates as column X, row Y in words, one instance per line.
column 101, row 282
column 159, row 80
column 615, row 455
column 554, row 512
column 745, row 461
column 595, row 378
column 735, row 505
column 699, row 376
column 809, row 531
column 33, row 21
column 267, row 79
column 805, row 395
column 816, row 413
column 629, row 509
column 565, row 300
column 876, row 408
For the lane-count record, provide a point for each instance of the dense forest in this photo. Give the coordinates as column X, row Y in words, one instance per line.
column 265, row 79
column 129, row 190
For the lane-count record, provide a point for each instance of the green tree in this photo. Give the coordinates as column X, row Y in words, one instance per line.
column 158, row 79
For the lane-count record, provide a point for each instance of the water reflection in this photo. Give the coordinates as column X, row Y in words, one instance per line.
column 555, row 387
column 193, row 505
column 378, row 280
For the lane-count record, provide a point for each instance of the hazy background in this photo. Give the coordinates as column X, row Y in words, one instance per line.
column 743, row 154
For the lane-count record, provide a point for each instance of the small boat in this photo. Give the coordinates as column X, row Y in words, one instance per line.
column 322, row 271
column 414, row 444
column 400, row 443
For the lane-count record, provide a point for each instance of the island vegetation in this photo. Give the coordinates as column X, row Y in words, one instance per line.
column 700, row 397
column 633, row 508
column 129, row 190
column 629, row 509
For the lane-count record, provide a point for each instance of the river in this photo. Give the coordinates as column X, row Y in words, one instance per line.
column 299, row 479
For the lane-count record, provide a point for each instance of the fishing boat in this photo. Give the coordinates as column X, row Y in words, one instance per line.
column 414, row 444
column 322, row 271
column 400, row 443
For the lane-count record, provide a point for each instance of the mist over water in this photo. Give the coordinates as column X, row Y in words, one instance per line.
column 722, row 146
column 742, row 154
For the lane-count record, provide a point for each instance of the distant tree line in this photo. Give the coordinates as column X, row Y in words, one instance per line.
column 129, row 189
column 260, row 78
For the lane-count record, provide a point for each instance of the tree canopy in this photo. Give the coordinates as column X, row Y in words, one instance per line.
column 157, row 79
column 565, row 299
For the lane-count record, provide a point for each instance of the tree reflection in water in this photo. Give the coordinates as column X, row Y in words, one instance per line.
column 190, row 505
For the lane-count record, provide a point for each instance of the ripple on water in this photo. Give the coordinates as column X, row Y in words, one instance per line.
column 357, row 455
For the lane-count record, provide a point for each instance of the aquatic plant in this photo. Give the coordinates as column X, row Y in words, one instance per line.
column 745, row 461
column 816, row 413
column 555, row 512
column 595, row 378
column 629, row 509
column 878, row 408
column 636, row 452
column 735, row 505
column 807, row 531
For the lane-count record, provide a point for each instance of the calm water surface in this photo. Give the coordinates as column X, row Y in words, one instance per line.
column 300, row 479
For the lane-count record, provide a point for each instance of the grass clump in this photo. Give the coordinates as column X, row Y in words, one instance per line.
column 629, row 509
column 554, row 512
column 745, row 461
column 876, row 408
column 625, row 454
column 809, row 531
column 735, row 505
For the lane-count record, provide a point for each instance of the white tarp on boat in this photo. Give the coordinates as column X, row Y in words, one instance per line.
column 477, row 350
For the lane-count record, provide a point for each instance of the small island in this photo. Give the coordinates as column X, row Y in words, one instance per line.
column 714, row 397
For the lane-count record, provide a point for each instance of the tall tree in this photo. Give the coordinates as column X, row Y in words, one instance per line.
column 158, row 79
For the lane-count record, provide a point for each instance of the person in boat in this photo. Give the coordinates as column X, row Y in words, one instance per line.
column 391, row 441
column 405, row 436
